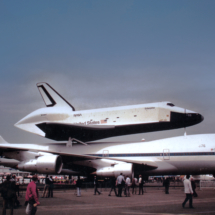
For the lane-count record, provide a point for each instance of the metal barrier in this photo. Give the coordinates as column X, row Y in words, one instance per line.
column 206, row 184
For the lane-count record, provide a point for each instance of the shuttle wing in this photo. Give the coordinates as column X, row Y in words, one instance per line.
column 62, row 131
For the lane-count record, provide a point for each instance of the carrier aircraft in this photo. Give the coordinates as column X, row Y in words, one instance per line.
column 60, row 121
column 192, row 154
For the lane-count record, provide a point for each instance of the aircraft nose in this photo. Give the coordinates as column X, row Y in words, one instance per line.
column 193, row 118
column 180, row 120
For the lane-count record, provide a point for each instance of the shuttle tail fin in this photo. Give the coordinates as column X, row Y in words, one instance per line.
column 51, row 97
column 2, row 140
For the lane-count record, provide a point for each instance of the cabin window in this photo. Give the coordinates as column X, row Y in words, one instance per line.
column 171, row 104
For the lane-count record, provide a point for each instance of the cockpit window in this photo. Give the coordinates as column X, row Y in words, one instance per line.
column 171, row 104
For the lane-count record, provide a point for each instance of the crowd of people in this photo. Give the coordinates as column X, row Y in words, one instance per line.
column 10, row 190
column 121, row 182
column 125, row 183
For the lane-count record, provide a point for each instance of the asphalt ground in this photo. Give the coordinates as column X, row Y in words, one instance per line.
column 154, row 201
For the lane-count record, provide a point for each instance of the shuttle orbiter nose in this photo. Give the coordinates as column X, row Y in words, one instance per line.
column 193, row 118
column 187, row 119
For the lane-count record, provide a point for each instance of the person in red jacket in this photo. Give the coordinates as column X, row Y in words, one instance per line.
column 32, row 197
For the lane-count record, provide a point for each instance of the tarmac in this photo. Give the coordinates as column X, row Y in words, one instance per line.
column 154, row 201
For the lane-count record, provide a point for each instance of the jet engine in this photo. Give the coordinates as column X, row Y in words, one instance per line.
column 47, row 164
column 114, row 171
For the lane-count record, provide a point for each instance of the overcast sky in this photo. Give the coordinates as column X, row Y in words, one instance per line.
column 104, row 54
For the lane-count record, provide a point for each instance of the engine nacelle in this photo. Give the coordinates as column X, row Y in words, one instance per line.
column 114, row 171
column 47, row 164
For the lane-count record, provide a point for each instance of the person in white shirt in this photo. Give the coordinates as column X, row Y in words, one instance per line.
column 127, row 186
column 141, row 182
column 120, row 181
column 189, row 192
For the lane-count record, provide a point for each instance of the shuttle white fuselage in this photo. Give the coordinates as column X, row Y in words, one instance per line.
column 59, row 120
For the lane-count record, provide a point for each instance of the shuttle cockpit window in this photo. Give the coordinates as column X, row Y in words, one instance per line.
column 171, row 104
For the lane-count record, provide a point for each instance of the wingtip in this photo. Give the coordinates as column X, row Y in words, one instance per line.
column 2, row 140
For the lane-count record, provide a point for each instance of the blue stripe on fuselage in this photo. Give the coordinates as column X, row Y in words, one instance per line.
column 155, row 154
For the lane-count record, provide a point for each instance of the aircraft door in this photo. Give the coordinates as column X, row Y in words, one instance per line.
column 105, row 153
column 166, row 154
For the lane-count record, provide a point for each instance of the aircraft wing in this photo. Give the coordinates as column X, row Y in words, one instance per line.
column 148, row 165
column 71, row 156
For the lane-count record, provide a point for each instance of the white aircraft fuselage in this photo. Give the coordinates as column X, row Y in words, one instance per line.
column 194, row 154
column 59, row 120
column 203, row 177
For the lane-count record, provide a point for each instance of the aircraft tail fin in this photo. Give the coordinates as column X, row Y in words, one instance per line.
column 51, row 97
column 2, row 140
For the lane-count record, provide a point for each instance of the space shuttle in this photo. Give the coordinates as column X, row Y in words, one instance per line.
column 61, row 122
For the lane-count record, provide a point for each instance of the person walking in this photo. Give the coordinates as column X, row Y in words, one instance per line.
column 119, row 181
column 133, row 185
column 32, row 196
column 51, row 187
column 141, row 182
column 123, row 185
column 8, row 192
column 127, row 186
column 193, row 184
column 189, row 191
column 16, row 202
column 113, row 186
column 46, row 187
column 78, row 186
column 166, row 185
column 96, row 186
